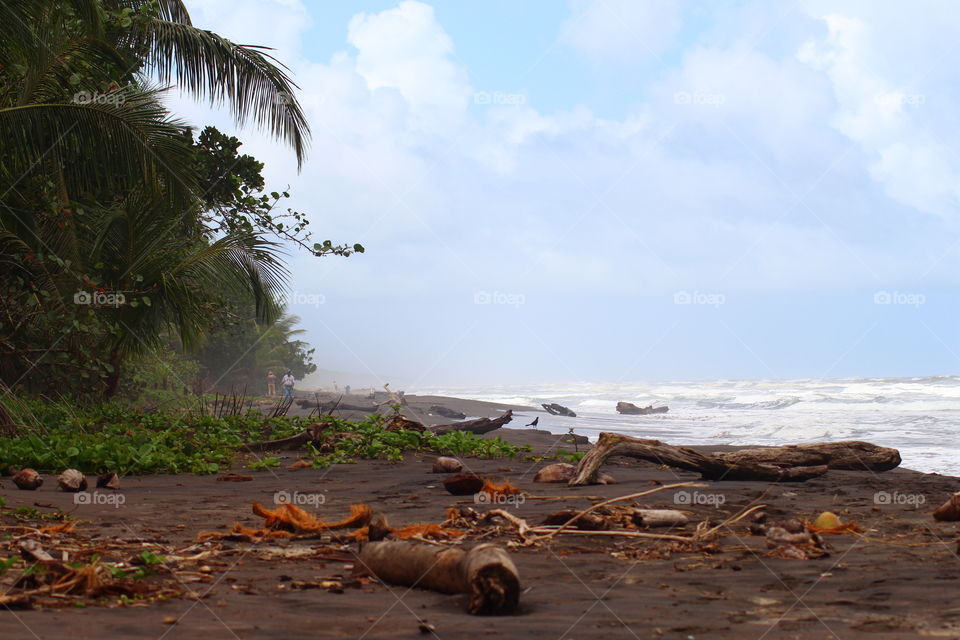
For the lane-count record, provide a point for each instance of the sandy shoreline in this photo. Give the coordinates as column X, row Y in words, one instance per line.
column 898, row 579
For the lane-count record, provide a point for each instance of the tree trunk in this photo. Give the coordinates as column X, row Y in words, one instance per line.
column 485, row 572
column 112, row 380
column 790, row 463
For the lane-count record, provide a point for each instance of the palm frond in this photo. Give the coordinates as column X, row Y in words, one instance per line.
column 205, row 65
column 115, row 144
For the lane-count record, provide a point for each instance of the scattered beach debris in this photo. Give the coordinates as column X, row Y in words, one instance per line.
column 108, row 480
column 301, row 463
column 27, row 479
column 630, row 409
column 829, row 522
column 485, row 572
column 72, row 481
column 447, row 412
column 445, row 464
column 555, row 409
column 587, row 522
column 532, row 535
column 949, row 511
column 291, row 521
column 478, row 426
column 789, row 463
column 793, row 541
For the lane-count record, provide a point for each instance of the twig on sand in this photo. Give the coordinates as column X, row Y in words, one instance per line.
column 531, row 535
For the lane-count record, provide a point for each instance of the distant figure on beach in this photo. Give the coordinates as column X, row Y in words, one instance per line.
column 335, row 387
column 271, row 384
column 535, row 422
column 346, row 389
column 288, row 383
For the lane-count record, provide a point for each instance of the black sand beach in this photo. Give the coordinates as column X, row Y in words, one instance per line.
column 894, row 579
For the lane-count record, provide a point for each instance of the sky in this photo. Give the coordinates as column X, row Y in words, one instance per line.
column 618, row 190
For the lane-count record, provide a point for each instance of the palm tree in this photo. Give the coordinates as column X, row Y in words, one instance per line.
column 97, row 186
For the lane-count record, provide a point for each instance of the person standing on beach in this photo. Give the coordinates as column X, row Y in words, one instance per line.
column 288, row 383
column 271, row 384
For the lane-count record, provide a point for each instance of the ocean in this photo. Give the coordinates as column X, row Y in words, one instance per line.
column 918, row 416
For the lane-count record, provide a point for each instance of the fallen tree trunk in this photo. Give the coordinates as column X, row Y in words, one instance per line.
column 791, row 463
column 850, row 455
column 478, row 426
column 485, row 572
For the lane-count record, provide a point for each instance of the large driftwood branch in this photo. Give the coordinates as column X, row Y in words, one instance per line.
column 850, row 455
column 485, row 572
column 478, row 426
column 791, row 463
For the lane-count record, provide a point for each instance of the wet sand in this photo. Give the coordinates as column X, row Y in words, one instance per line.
column 898, row 580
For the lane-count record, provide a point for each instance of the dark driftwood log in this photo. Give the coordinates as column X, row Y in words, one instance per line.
column 772, row 464
column 851, row 455
column 485, row 572
column 558, row 410
column 293, row 442
column 446, row 412
column 628, row 408
column 478, row 426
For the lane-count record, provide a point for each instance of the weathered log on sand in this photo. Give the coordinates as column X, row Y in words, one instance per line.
column 446, row 412
column 485, row 572
column 850, row 455
column 281, row 444
column 555, row 409
column 478, row 426
column 771, row 464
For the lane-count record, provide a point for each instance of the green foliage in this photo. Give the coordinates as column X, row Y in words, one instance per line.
column 113, row 200
column 110, row 438
column 103, row 438
column 262, row 464
column 350, row 441
column 570, row 456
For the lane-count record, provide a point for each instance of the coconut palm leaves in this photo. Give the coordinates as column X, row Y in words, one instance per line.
column 99, row 187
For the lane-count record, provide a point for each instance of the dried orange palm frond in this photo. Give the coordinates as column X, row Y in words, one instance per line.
column 64, row 527
column 493, row 490
column 290, row 517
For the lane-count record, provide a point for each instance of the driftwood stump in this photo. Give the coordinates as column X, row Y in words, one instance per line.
column 790, row 463
column 485, row 572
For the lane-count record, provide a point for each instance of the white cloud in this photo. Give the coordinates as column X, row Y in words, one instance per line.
column 407, row 50
column 622, row 31
column 882, row 108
